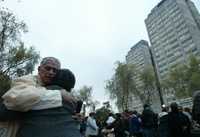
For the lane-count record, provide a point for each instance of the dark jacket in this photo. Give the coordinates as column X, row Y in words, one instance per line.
column 119, row 127
column 196, row 107
column 149, row 119
column 55, row 122
column 163, row 126
column 135, row 125
column 179, row 124
column 9, row 115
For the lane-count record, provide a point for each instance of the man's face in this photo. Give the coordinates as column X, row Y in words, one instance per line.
column 47, row 72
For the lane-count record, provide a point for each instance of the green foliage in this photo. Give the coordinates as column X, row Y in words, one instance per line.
column 16, row 59
column 193, row 73
column 85, row 94
column 5, row 83
column 102, row 115
column 184, row 79
column 148, row 87
column 178, row 80
column 122, row 85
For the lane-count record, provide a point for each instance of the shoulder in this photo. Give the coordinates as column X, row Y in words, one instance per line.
column 27, row 79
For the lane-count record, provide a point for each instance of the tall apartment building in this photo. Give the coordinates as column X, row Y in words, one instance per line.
column 139, row 55
column 174, row 31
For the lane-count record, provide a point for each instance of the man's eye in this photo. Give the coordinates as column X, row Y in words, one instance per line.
column 50, row 68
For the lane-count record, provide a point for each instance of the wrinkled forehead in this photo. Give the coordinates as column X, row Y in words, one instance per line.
column 51, row 61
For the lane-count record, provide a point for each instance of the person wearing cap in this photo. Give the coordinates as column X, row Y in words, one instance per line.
column 42, row 110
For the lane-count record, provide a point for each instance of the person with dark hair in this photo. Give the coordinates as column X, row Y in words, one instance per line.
column 149, row 122
column 110, row 119
column 65, row 79
column 135, row 125
column 119, row 126
column 179, row 124
column 92, row 128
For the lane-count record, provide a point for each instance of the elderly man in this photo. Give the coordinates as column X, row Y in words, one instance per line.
column 17, row 98
column 46, row 113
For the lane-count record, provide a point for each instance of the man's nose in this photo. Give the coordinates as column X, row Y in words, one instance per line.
column 51, row 71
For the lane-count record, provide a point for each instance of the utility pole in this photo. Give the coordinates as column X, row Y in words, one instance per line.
column 158, row 85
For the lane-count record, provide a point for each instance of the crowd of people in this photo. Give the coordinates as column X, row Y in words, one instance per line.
column 42, row 106
column 173, row 121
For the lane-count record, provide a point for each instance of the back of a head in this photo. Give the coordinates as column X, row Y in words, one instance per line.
column 174, row 107
column 135, row 112
column 65, row 79
column 196, row 95
column 92, row 114
column 118, row 115
column 110, row 114
column 165, row 109
column 146, row 106
column 187, row 109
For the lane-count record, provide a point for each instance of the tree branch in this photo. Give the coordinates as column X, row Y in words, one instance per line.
column 17, row 64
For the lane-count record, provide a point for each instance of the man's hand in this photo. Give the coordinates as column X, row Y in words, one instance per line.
column 67, row 97
column 78, row 116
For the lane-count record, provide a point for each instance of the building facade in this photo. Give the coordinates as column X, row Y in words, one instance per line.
column 173, row 27
column 140, row 57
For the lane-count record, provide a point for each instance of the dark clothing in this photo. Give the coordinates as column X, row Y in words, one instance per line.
column 56, row 122
column 196, row 107
column 119, row 127
column 149, row 123
column 9, row 115
column 179, row 125
column 149, row 119
column 135, row 126
column 163, row 128
column 83, row 126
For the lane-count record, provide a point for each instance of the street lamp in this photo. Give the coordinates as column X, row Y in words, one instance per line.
column 158, row 86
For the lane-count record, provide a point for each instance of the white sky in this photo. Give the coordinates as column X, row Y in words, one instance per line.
column 88, row 36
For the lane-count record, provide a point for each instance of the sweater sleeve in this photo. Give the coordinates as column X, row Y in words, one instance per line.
column 25, row 95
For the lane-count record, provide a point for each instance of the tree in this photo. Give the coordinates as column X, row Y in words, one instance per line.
column 122, row 85
column 94, row 104
column 5, row 83
column 193, row 73
column 16, row 59
column 178, row 81
column 184, row 79
column 85, row 94
column 102, row 115
column 148, row 86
